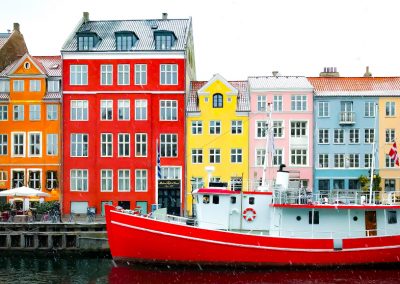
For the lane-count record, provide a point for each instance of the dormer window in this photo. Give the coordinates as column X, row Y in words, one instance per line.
column 164, row 40
column 87, row 41
column 218, row 101
column 125, row 40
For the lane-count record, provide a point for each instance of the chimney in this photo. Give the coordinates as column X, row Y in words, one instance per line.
column 329, row 72
column 367, row 73
column 275, row 73
column 16, row 27
column 164, row 16
column 85, row 17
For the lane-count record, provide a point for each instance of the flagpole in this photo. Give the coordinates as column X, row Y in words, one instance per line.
column 267, row 147
column 373, row 156
column 156, row 172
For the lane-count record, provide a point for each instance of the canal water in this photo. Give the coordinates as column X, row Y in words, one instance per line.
column 56, row 269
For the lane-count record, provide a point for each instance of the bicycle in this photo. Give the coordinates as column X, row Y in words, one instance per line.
column 90, row 216
column 71, row 218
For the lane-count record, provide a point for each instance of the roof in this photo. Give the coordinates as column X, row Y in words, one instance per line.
column 3, row 38
column 50, row 65
column 356, row 86
column 243, row 102
column 279, row 83
column 144, row 30
column 4, row 97
column 52, row 96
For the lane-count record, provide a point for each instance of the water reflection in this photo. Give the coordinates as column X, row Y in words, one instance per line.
column 142, row 274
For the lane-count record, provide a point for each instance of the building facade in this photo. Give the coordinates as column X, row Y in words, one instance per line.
column 290, row 99
column 124, row 94
column 30, row 124
column 217, row 135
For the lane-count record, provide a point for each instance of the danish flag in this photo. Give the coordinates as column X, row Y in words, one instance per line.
column 393, row 154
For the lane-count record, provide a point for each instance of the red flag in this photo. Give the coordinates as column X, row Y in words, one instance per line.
column 393, row 154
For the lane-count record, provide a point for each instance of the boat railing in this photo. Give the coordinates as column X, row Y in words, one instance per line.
column 345, row 197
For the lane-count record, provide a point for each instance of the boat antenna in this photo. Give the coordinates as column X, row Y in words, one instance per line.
column 371, row 182
column 269, row 145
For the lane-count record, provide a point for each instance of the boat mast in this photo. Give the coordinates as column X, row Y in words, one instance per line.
column 373, row 155
column 267, row 145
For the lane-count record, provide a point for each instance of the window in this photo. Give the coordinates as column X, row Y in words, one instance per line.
column 106, row 184
column 277, row 158
column 52, row 112
column 323, row 136
column 79, row 110
column 260, row 157
column 18, row 85
column 123, row 74
column 313, row 217
column 169, row 110
column 106, row 110
column 233, row 199
column 261, row 128
column 197, row 127
column 34, row 179
column 3, row 176
column 3, row 112
column 215, row 199
column 339, row 160
column 338, row 136
column 215, row 156
column 79, row 180
column 141, row 145
column 164, row 40
column 106, row 144
column 53, row 86
column 369, row 109
column 369, row 135
column 323, row 185
column 197, row 183
column 18, row 112
column 79, row 145
column 141, row 180
column 170, row 172
column 218, row 101
column 389, row 162
column 124, row 144
column 86, row 41
column 390, row 185
column 140, row 74
column 252, row 200
column 298, row 103
column 278, row 129
column 392, row 217
column 168, row 74
column 236, row 155
column 197, row 156
column 52, row 144
column 354, row 160
column 18, row 144
column 78, row 75
column 236, row 127
column 367, row 160
column 124, row 109
column 215, row 127
column 169, row 145
column 338, row 184
column 18, row 179
column 261, row 103
column 354, row 136
column 140, row 109
column 34, row 85
column 323, row 109
column 390, row 108
column 323, row 161
column 4, row 86
column 206, row 199
column 34, row 112
column 124, row 180
column 298, row 128
column 125, row 41
column 390, row 135
column 106, row 75
column 3, row 144
column 277, row 103
column 299, row 157
column 354, row 184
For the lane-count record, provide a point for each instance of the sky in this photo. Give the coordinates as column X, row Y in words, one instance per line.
column 240, row 38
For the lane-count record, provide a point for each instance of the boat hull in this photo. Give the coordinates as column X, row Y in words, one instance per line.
column 134, row 238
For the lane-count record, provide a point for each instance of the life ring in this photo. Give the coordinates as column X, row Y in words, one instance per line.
column 249, row 214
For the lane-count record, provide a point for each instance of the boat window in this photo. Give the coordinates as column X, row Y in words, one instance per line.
column 392, row 217
column 251, row 200
column 316, row 217
column 233, row 199
column 298, row 218
column 206, row 199
column 215, row 199
column 355, row 218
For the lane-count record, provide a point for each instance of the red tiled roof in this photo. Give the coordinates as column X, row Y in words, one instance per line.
column 355, row 84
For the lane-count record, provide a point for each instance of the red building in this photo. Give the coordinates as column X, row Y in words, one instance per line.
column 123, row 92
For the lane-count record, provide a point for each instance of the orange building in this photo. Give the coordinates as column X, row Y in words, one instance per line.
column 30, row 120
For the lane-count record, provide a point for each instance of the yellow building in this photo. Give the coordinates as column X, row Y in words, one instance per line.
column 389, row 132
column 217, row 135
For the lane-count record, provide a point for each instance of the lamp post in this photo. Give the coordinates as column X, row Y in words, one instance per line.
column 192, row 181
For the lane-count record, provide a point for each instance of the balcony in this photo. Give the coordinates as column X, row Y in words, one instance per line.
column 347, row 117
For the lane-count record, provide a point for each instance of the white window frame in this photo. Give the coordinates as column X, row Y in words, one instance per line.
column 141, row 144
column 338, row 136
column 323, row 109
column 140, row 74
column 299, row 153
column 169, row 145
column 216, row 154
column 53, row 86
column 369, row 109
column 52, row 112
column 124, row 71
column 79, row 177
column 106, row 74
column 124, row 145
column 78, row 75
column 261, row 103
column 236, row 155
column 354, row 160
column 339, row 161
column 367, row 160
column 52, row 144
column 354, row 136
column 3, row 176
column 141, row 177
column 169, row 74
column 168, row 108
column 3, row 112
column 106, row 143
column 391, row 134
column 79, row 110
column 3, row 142
column 37, row 181
column 35, row 112
column 277, row 127
column 23, row 144
column 259, row 157
column 105, row 107
column 197, row 127
column 197, row 156
column 278, row 155
column 35, row 85
column 278, row 103
column 125, row 106
column 19, row 109
column 140, row 109
column 124, row 180
column 389, row 162
column 298, row 103
column 236, row 127
column 216, row 126
column 18, row 85
column 299, row 129
column 390, row 109
column 105, row 176
column 323, row 136
column 323, row 160
column 81, row 142
column 369, row 135
column 261, row 129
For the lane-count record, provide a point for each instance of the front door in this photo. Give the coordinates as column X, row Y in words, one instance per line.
column 370, row 223
column 169, row 196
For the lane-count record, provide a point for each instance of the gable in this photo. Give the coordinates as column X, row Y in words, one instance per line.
column 218, row 84
column 26, row 66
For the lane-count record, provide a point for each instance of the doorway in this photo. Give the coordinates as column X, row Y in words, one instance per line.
column 370, row 223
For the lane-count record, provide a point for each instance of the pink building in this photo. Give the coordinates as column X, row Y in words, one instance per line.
column 291, row 100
